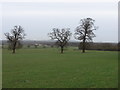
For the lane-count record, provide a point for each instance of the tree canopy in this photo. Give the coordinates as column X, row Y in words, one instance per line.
column 61, row 35
column 84, row 32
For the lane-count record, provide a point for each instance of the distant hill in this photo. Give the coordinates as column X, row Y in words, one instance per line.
column 91, row 46
column 25, row 42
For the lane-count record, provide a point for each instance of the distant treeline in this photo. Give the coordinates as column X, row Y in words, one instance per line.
column 103, row 46
column 90, row 45
column 99, row 46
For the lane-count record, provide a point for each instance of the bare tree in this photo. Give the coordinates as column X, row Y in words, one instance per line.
column 62, row 36
column 84, row 32
column 17, row 34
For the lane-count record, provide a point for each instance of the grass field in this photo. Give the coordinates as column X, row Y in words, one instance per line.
column 47, row 68
column 0, row 68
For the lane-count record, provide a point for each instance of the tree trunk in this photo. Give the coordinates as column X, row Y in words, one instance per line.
column 61, row 49
column 13, row 51
column 14, row 47
column 84, row 43
column 84, row 46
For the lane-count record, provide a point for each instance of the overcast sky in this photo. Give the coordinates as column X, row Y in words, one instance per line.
column 38, row 17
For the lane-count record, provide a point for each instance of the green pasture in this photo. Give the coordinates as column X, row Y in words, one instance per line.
column 47, row 68
column 0, row 68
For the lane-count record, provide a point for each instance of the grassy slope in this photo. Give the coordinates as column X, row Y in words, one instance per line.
column 47, row 68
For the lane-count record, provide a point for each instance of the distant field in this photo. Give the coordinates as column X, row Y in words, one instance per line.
column 47, row 68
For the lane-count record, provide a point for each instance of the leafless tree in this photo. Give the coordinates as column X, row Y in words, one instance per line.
column 17, row 34
column 84, row 32
column 62, row 36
